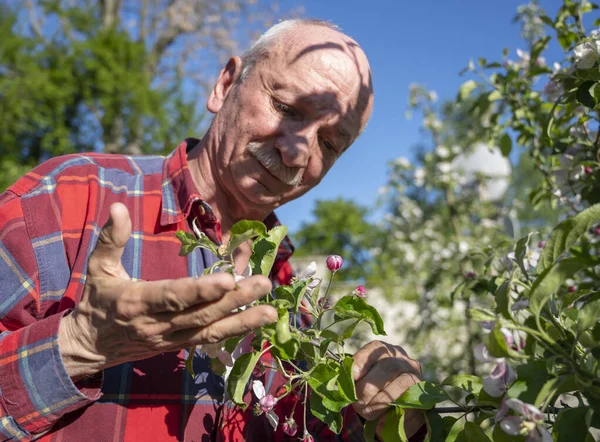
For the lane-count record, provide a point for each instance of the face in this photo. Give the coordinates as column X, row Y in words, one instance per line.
column 282, row 129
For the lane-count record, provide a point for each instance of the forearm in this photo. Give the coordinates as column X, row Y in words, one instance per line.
column 36, row 390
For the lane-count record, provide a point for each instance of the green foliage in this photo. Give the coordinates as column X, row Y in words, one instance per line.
column 340, row 227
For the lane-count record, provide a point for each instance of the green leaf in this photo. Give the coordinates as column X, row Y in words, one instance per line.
column 455, row 430
column 584, row 96
column 370, row 429
column 495, row 95
column 467, row 382
column 466, row 88
column 531, row 378
column 286, row 345
column 239, row 376
column 565, row 234
column 537, row 48
column 188, row 242
column 571, row 425
column 351, row 306
column 521, row 251
column 571, row 297
column 321, row 375
column 264, row 250
column 496, row 343
column 346, row 379
column 331, row 418
column 550, row 280
column 502, row 300
column 481, row 315
column 474, row 433
column 189, row 361
column 393, row 427
column 435, row 426
column 589, row 314
column 423, row 396
column 243, row 231
column 505, row 144
column 554, row 387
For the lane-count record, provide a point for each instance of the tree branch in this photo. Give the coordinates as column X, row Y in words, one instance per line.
column 34, row 21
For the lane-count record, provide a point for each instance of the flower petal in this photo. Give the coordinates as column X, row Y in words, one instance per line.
column 494, row 387
column 273, row 419
column 511, row 425
column 259, row 389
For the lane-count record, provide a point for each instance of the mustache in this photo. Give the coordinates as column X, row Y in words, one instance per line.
column 271, row 160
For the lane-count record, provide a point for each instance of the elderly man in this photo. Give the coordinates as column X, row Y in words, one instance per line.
column 94, row 319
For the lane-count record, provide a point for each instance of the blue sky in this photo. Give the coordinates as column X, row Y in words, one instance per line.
column 426, row 42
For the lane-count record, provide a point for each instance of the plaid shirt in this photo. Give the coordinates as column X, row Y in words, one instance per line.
column 49, row 223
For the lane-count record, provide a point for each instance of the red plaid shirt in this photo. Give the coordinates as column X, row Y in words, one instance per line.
column 49, row 224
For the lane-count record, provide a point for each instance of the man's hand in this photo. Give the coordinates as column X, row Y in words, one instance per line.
column 119, row 320
column 382, row 373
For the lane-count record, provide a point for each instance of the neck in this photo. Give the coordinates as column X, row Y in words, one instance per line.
column 227, row 208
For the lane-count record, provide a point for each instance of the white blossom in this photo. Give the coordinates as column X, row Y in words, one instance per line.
column 442, row 151
column 419, row 177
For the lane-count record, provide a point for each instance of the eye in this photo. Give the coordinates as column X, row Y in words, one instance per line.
column 328, row 145
column 284, row 109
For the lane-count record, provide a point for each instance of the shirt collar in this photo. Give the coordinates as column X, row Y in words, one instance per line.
column 178, row 189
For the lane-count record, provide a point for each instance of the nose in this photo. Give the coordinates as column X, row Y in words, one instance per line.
column 295, row 146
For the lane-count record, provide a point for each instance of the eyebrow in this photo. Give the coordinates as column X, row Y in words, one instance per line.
column 345, row 137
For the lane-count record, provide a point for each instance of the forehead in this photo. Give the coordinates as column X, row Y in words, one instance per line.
column 324, row 70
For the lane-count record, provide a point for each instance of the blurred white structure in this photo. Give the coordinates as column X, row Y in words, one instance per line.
column 487, row 162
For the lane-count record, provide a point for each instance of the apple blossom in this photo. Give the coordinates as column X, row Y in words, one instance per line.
column 308, row 438
column 290, row 427
column 586, row 55
column 266, row 402
column 360, row 291
column 334, row 263
column 528, row 421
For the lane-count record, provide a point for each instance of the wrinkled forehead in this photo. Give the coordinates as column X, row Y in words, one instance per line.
column 330, row 69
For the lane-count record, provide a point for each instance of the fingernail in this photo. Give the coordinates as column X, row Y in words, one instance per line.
column 265, row 320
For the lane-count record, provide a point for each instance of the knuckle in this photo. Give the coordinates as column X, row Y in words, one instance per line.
column 203, row 317
column 128, row 307
column 171, row 302
column 213, row 335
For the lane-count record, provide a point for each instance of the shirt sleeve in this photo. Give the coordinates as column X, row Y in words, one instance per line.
column 35, row 389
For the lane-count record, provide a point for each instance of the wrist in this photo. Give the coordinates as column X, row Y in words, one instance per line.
column 78, row 359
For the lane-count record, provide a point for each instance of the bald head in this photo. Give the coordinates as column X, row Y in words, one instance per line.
column 321, row 43
column 285, row 112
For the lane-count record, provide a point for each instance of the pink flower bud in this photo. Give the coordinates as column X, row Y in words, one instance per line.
column 470, row 275
column 572, row 289
column 597, row 230
column 267, row 403
column 334, row 262
column 308, row 438
column 541, row 244
column 360, row 291
column 587, row 170
column 289, row 427
column 324, row 303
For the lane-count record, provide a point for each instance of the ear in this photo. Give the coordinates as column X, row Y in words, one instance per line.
column 227, row 78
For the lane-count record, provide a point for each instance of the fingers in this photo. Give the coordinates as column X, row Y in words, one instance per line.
column 106, row 257
column 232, row 325
column 204, row 314
column 169, row 298
column 375, row 399
column 383, row 372
column 375, row 351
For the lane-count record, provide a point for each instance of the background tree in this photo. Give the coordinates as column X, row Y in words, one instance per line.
column 341, row 228
column 113, row 76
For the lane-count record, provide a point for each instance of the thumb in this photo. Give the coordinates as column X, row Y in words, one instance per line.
column 106, row 257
